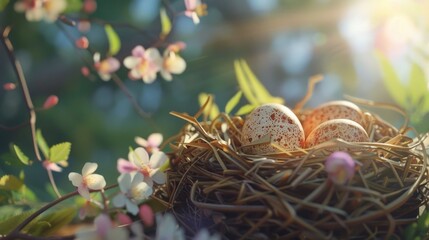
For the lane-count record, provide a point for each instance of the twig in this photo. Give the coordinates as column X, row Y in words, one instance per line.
column 15, row 233
column 23, row 86
column 54, row 185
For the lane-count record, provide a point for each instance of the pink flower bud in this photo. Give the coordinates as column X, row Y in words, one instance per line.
column 340, row 167
column 146, row 215
column 9, row 86
column 82, row 43
column 89, row 6
column 50, row 102
column 85, row 71
column 124, row 219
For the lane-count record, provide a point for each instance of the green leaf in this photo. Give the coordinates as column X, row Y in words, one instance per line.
column 20, row 155
column 60, row 152
column 165, row 23
column 245, row 109
column 242, row 82
column 8, row 211
column 41, row 142
column 113, row 38
column 211, row 110
column 410, row 232
column 3, row 4
column 232, row 103
column 392, row 81
column 261, row 93
column 11, row 223
column 10, row 182
column 73, row 6
column 417, row 84
column 49, row 223
column 25, row 195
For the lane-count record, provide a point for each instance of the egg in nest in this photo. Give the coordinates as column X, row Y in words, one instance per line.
column 275, row 122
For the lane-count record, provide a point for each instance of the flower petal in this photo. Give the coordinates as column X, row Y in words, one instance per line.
column 95, row 181
column 113, row 64
column 153, row 54
column 125, row 166
column 155, row 139
column 157, row 159
column 84, row 191
column 159, row 177
column 102, row 224
column 131, row 207
column 141, row 141
column 141, row 192
column 119, row 200
column 138, row 178
column 138, row 51
column 89, row 168
column 139, row 157
column 130, row 62
column 166, row 75
column 124, row 181
column 176, row 64
column 75, row 178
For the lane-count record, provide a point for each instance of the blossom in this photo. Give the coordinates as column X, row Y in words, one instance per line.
column 106, row 66
column 203, row 234
column 9, row 86
column 195, row 9
column 88, row 209
column 167, row 228
column 340, row 167
column 50, row 102
column 173, row 63
column 133, row 191
column 104, row 229
column 150, row 168
column 152, row 143
column 143, row 63
column 146, row 215
column 36, row 10
column 87, row 180
column 51, row 166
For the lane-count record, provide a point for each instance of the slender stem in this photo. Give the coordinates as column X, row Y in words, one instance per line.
column 54, row 185
column 13, row 233
column 26, row 236
column 23, row 86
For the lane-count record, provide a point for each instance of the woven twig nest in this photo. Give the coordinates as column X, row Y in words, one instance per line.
column 213, row 184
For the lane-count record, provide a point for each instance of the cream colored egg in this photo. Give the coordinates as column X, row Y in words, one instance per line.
column 278, row 123
column 332, row 110
column 345, row 129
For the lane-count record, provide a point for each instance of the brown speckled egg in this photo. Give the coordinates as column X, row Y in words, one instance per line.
column 345, row 129
column 278, row 122
column 332, row 110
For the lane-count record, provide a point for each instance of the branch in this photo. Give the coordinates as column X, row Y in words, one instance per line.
column 23, row 86
column 15, row 233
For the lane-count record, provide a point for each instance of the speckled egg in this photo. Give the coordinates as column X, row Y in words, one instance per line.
column 345, row 129
column 275, row 121
column 332, row 110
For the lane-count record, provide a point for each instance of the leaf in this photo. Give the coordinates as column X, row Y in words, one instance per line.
column 16, row 151
column 41, row 142
column 10, row 182
column 11, row 223
column 50, row 223
column 252, row 88
column 25, row 195
column 8, row 211
column 60, row 152
column 258, row 88
column 392, row 81
column 73, row 6
column 212, row 110
column 113, row 38
column 3, row 4
column 232, row 103
column 245, row 109
column 165, row 23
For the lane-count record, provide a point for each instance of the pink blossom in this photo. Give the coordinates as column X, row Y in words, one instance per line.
column 195, row 9
column 150, row 168
column 52, row 166
column 87, row 180
column 82, row 42
column 340, row 167
column 106, row 66
column 36, row 10
column 146, row 215
column 9, row 86
column 152, row 143
column 143, row 63
column 173, row 63
column 104, row 229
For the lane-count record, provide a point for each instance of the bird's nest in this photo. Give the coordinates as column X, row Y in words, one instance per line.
column 213, row 184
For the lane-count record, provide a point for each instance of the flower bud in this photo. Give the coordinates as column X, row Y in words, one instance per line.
column 50, row 102
column 9, row 86
column 340, row 167
column 82, row 43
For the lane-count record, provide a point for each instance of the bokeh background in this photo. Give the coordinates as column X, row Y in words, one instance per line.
column 284, row 42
